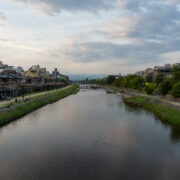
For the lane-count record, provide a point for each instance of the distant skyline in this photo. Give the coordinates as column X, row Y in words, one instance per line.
column 90, row 36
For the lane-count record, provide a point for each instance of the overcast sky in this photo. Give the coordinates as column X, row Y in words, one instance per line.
column 90, row 36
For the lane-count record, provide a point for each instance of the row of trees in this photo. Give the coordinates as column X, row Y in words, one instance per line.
column 160, row 85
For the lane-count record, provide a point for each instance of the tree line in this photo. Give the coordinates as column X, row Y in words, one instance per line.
column 161, row 84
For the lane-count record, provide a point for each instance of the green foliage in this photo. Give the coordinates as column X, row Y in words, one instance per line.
column 176, row 73
column 93, row 81
column 110, row 79
column 118, row 82
column 149, row 78
column 165, row 86
column 98, row 81
column 159, row 79
column 127, row 80
column 137, row 83
column 176, row 90
column 165, row 113
column 150, row 88
column 161, row 84
column 24, row 108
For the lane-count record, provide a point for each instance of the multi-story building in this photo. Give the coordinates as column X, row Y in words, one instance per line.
column 42, row 72
column 31, row 73
column 55, row 73
column 163, row 70
column 20, row 70
column 140, row 73
column 4, row 67
column 177, row 64
column 149, row 72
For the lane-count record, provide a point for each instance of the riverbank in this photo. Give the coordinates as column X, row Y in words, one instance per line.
column 17, row 110
column 165, row 113
column 166, row 110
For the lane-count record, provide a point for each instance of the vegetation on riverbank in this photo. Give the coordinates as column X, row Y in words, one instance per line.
column 161, row 85
column 20, row 109
column 165, row 113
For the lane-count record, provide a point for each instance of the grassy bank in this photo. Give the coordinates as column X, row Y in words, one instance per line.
column 165, row 113
column 20, row 109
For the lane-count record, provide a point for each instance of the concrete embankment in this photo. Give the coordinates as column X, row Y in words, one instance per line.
column 16, row 110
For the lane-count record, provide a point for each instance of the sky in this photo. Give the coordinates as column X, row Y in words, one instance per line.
column 90, row 36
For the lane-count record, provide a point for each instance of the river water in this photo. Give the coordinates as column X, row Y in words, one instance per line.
column 89, row 136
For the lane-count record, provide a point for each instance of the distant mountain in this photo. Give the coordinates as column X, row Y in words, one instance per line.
column 79, row 77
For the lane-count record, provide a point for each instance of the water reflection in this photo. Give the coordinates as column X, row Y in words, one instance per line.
column 174, row 131
column 91, row 135
column 175, row 134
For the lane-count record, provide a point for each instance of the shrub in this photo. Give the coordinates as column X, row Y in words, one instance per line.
column 137, row 83
column 127, row 80
column 165, row 86
column 150, row 88
column 176, row 73
column 159, row 79
column 110, row 79
column 149, row 78
column 176, row 90
column 118, row 82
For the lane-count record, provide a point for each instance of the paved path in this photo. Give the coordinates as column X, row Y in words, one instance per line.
column 2, row 103
column 159, row 99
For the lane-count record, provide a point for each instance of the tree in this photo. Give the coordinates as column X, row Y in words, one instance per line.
column 149, row 78
column 176, row 73
column 127, row 80
column 150, row 88
column 110, row 79
column 165, row 86
column 93, row 81
column 159, row 79
column 176, row 90
column 137, row 83
column 102, row 81
column 118, row 82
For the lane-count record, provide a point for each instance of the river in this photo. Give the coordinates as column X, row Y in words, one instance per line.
column 89, row 136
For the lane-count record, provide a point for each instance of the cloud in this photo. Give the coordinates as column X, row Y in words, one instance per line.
column 55, row 6
column 120, row 54
column 2, row 17
column 105, row 51
column 130, row 32
column 155, row 21
column 3, row 40
column 122, row 27
column 142, row 5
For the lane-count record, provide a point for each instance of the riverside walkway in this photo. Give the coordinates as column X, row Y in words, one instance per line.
column 128, row 92
column 20, row 98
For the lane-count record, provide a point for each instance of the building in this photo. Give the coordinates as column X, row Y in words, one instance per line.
column 4, row 67
column 32, row 74
column 1, row 64
column 140, row 73
column 42, row 72
column 35, row 68
column 20, row 71
column 149, row 72
column 177, row 64
column 63, row 78
column 163, row 70
column 55, row 73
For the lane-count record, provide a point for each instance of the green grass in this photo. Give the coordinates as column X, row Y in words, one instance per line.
column 23, row 108
column 165, row 113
